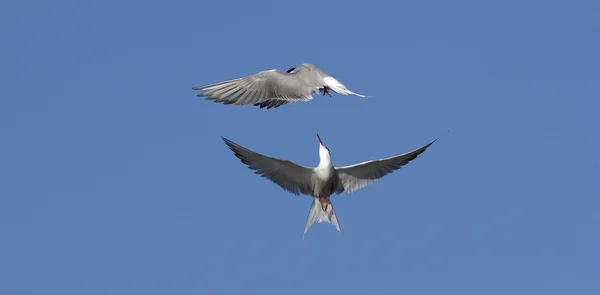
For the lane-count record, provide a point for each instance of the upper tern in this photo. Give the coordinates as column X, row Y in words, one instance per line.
column 274, row 88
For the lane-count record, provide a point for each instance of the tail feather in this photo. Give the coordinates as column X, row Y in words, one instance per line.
column 340, row 88
column 316, row 214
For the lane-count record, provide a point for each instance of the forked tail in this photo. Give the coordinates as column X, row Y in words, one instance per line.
column 316, row 214
column 340, row 88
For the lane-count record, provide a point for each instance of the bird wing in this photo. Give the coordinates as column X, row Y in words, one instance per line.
column 272, row 88
column 355, row 177
column 290, row 176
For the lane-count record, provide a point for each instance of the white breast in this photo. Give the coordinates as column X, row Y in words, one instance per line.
column 324, row 177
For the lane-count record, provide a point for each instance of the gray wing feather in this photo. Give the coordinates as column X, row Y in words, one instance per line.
column 290, row 176
column 268, row 89
column 355, row 177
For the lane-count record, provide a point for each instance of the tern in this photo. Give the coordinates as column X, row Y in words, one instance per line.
column 274, row 88
column 322, row 181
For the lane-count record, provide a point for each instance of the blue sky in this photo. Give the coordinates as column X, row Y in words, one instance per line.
column 114, row 179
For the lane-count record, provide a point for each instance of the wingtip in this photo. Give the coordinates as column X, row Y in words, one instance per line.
column 431, row 142
column 440, row 136
column 423, row 148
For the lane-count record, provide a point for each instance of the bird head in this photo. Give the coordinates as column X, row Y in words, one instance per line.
column 323, row 151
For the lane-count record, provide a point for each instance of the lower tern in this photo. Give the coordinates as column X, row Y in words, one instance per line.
column 274, row 88
column 324, row 180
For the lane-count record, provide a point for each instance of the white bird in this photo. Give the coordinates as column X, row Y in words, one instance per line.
column 324, row 180
column 274, row 88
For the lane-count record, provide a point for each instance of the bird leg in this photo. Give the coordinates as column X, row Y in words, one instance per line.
column 324, row 203
column 326, row 91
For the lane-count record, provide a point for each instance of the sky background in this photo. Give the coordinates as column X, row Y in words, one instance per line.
column 114, row 180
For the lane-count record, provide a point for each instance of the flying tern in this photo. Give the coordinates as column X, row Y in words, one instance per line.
column 322, row 181
column 274, row 88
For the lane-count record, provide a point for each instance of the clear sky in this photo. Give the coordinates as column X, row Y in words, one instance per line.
column 114, row 180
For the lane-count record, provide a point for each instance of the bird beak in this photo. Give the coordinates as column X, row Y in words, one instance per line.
column 320, row 142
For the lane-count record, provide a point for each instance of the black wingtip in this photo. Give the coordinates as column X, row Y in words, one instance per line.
column 227, row 141
column 430, row 143
column 440, row 136
column 423, row 148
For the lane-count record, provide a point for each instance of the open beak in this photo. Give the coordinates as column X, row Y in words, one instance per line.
column 320, row 142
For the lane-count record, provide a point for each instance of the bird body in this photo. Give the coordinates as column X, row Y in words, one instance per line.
column 324, row 180
column 274, row 88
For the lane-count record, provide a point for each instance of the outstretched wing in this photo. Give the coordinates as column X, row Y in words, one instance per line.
column 352, row 178
column 268, row 89
column 290, row 176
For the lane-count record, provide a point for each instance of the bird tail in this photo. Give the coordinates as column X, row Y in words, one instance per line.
column 316, row 214
column 338, row 87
